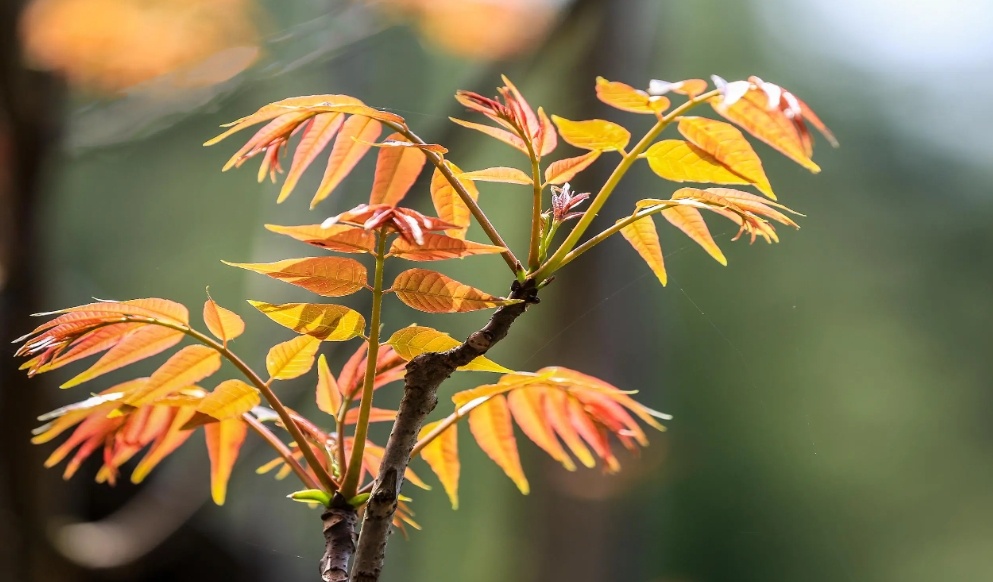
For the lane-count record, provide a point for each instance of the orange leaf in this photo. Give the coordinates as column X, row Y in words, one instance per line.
column 496, row 133
column 402, row 143
column 690, row 87
column 319, row 132
column 223, row 323
column 224, row 441
column 726, row 144
column 562, row 171
column 526, row 406
column 433, row 292
column 680, row 161
column 549, row 139
column 164, row 445
column 594, row 134
column 292, row 358
column 325, row 276
column 771, row 126
column 449, row 204
column 343, row 238
column 230, row 399
column 557, row 414
column 412, row 341
column 278, row 108
column 492, row 428
column 438, row 247
column 689, row 220
column 352, row 143
column 375, row 415
column 499, row 174
column 138, row 344
column 627, row 98
column 185, row 368
column 396, row 171
column 442, row 455
column 325, row 322
column 328, row 394
column 645, row 239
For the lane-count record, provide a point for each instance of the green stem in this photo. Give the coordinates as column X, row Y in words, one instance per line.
column 351, row 481
column 439, row 162
column 534, row 260
column 555, row 261
column 606, row 233
column 339, row 435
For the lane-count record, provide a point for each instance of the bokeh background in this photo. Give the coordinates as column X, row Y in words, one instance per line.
column 831, row 394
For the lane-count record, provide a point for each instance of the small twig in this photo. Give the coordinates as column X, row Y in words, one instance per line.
column 424, row 374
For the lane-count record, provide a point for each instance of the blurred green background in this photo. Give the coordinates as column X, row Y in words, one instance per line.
column 831, row 394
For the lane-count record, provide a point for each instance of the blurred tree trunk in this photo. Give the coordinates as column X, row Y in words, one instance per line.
column 30, row 115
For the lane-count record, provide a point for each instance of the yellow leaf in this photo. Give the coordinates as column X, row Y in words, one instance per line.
column 138, row 344
column 353, row 142
column 498, row 174
column 185, row 368
column 396, row 171
column 334, row 323
column 229, row 399
column 223, row 323
column 493, row 430
column 645, row 239
column 594, row 134
column 562, row 171
column 410, row 342
column 526, row 406
column 325, row 276
column 433, row 292
column 342, row 238
column 690, row 221
column 442, row 455
column 728, row 146
column 224, row 440
column 627, row 98
column 328, row 394
column 680, row 161
column 292, row 358
column 447, row 202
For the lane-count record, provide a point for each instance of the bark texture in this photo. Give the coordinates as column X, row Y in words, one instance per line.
column 424, row 374
column 339, row 521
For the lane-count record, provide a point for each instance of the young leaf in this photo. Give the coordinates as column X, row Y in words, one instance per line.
column 334, row 323
column 328, row 393
column 499, row 174
column 410, row 342
column 449, row 204
column 493, row 430
column 594, row 134
column 496, row 133
column 438, row 247
column 549, row 139
column 164, row 445
column 343, row 238
column 224, row 440
column 396, row 171
column 353, row 142
column 556, row 411
column 138, row 344
column 627, row 98
column 645, row 239
column 528, row 411
column 325, row 276
column 224, row 324
column 185, row 368
column 442, row 455
column 319, row 133
column 726, row 144
column 230, row 399
column 292, row 358
column 375, row 415
column 680, row 161
column 433, row 292
column 562, row 171
column 769, row 125
column 689, row 220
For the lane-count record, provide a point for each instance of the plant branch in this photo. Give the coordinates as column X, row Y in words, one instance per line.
column 555, row 261
column 281, row 448
column 339, row 539
column 533, row 250
column 424, row 374
column 477, row 212
column 350, row 483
